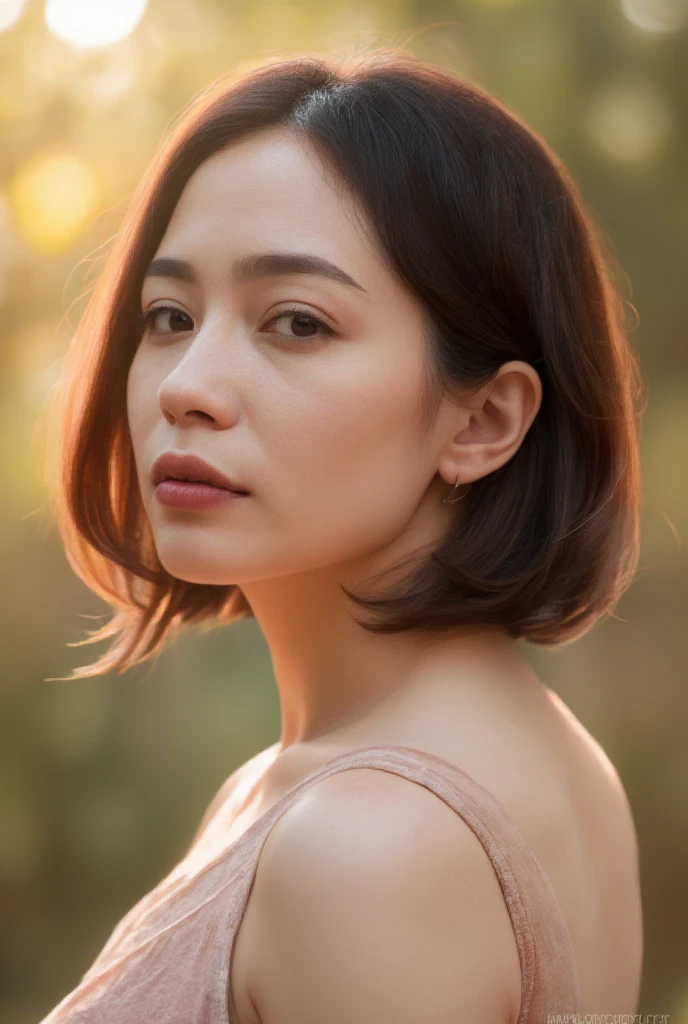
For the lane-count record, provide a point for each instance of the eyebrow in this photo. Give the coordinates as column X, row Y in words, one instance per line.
column 262, row 264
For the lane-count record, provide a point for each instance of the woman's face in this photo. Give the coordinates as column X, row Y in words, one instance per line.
column 319, row 423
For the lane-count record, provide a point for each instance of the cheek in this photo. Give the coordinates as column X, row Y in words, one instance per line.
column 359, row 424
column 141, row 403
column 348, row 463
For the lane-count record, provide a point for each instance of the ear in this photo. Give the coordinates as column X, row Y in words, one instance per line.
column 492, row 423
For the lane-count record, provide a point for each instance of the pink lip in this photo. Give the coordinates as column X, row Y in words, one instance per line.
column 185, row 494
column 191, row 469
column 187, row 481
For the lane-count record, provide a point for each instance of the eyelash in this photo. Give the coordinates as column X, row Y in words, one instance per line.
column 146, row 317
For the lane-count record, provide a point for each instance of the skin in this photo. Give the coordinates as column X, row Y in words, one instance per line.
column 325, row 434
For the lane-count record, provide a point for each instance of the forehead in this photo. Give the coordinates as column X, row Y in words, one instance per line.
column 274, row 188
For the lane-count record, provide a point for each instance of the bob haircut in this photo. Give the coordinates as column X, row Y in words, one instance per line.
column 485, row 226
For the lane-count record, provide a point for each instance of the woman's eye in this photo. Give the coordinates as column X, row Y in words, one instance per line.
column 303, row 325
column 150, row 316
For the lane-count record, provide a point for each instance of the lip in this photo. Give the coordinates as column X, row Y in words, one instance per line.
column 180, row 467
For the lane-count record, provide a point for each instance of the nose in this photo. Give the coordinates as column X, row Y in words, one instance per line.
column 197, row 388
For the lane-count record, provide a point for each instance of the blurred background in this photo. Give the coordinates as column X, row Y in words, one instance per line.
column 103, row 781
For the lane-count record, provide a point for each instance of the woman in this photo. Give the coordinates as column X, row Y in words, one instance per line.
column 356, row 327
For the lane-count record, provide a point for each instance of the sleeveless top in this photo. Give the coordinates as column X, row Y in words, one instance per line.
column 168, row 960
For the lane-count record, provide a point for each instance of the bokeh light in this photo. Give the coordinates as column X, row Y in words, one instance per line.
column 656, row 16
column 106, row 82
column 88, row 23
column 629, row 121
column 10, row 13
column 52, row 197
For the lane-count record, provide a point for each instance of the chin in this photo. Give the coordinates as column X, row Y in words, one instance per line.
column 189, row 567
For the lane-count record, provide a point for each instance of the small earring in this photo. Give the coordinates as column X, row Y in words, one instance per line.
column 452, row 501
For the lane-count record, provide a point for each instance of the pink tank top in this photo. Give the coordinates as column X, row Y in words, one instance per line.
column 168, row 960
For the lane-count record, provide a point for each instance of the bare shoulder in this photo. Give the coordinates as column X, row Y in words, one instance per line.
column 228, row 787
column 373, row 901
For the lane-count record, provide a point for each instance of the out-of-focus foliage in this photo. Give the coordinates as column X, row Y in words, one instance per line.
column 103, row 781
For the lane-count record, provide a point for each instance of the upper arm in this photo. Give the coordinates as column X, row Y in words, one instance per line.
column 374, row 902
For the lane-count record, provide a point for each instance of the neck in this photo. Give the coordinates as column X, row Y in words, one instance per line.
column 336, row 680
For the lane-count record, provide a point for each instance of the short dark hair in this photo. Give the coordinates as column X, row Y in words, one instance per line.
column 487, row 228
